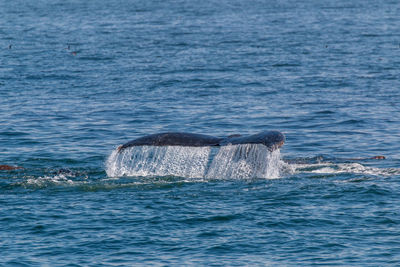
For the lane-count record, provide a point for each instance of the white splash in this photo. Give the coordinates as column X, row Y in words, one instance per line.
column 355, row 168
column 45, row 181
column 236, row 161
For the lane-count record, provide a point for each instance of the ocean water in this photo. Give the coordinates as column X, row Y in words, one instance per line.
column 79, row 78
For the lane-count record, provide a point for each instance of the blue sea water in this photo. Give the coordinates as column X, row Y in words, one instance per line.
column 79, row 78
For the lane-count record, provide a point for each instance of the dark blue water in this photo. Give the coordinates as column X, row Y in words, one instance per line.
column 78, row 78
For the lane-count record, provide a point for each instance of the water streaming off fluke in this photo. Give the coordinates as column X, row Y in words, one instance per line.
column 232, row 161
column 245, row 161
column 159, row 161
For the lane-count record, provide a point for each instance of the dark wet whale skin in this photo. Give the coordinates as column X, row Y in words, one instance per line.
column 271, row 139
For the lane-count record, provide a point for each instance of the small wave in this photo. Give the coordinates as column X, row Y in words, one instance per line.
column 62, row 182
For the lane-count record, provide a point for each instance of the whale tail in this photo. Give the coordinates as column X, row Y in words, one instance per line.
column 271, row 139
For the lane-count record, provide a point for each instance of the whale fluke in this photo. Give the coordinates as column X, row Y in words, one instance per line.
column 272, row 139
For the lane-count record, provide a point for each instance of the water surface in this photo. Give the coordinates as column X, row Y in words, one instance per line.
column 79, row 78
